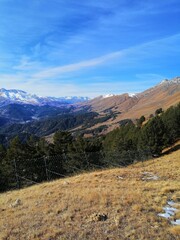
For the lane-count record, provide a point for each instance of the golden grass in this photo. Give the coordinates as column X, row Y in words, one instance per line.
column 63, row 209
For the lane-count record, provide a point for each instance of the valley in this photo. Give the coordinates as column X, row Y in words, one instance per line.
column 98, row 116
column 89, row 120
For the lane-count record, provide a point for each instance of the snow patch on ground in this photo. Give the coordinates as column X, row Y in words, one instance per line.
column 169, row 212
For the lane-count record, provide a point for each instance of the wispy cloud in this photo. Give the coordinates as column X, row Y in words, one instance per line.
column 26, row 64
column 67, row 46
column 51, row 72
column 33, row 72
column 129, row 56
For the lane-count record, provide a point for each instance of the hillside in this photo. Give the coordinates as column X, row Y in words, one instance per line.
column 20, row 113
column 133, row 106
column 121, row 203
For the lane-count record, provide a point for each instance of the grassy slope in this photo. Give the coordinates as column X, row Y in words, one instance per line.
column 63, row 209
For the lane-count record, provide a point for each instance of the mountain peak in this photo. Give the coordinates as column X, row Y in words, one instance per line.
column 22, row 97
column 175, row 80
column 11, row 90
column 132, row 94
column 108, row 95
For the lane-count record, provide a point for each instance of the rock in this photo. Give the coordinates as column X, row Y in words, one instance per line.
column 149, row 176
column 98, row 217
column 16, row 203
column 65, row 183
column 119, row 177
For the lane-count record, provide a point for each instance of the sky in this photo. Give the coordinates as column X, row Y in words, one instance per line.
column 88, row 48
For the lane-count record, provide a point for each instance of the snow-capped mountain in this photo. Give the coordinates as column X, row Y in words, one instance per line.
column 18, row 96
column 108, row 95
column 175, row 80
column 22, row 97
column 132, row 95
column 132, row 105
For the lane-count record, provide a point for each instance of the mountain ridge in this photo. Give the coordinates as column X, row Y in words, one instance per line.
column 110, row 111
column 22, row 97
column 126, row 106
column 171, row 86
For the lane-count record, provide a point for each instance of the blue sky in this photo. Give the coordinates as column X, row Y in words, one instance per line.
column 88, row 48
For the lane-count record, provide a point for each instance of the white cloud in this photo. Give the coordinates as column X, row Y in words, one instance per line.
column 27, row 64
column 129, row 56
column 60, row 80
column 51, row 72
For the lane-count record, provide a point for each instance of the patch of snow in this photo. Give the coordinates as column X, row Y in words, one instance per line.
column 132, row 94
column 175, row 80
column 172, row 203
column 175, row 222
column 108, row 95
column 35, row 118
column 170, row 211
column 13, row 96
column 164, row 81
column 145, row 173
column 68, row 98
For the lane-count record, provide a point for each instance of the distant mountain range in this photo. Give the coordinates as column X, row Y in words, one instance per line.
column 133, row 106
column 22, row 112
column 21, row 97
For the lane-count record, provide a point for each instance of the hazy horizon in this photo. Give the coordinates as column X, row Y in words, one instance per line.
column 67, row 48
column 91, row 97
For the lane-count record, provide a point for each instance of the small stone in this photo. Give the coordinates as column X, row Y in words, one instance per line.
column 16, row 203
column 119, row 177
column 65, row 183
column 98, row 217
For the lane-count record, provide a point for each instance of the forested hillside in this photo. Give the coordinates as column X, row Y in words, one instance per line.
column 69, row 154
column 48, row 125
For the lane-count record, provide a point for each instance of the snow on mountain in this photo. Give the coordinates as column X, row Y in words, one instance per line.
column 108, row 95
column 132, row 94
column 175, row 80
column 22, row 97
column 112, row 95
column 18, row 96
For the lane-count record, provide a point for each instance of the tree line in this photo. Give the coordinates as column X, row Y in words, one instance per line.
column 69, row 154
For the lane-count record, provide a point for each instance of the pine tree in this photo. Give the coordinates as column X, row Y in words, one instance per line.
column 153, row 135
column 4, row 168
column 171, row 120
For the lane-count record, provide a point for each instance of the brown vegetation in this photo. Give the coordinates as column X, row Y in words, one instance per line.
column 110, row 204
column 125, row 107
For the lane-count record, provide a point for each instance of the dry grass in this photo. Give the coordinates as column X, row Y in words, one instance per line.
column 133, row 108
column 64, row 209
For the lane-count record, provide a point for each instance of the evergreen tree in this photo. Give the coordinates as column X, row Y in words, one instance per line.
column 171, row 120
column 153, row 135
column 61, row 141
column 4, row 184
column 140, row 121
column 120, row 145
column 158, row 111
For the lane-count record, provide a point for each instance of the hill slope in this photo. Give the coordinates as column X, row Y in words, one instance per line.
column 129, row 106
column 30, row 111
column 127, row 199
